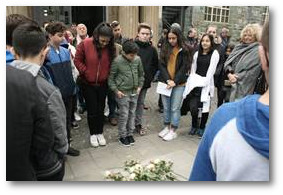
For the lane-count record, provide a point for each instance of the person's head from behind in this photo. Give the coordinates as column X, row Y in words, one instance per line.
column 144, row 32
column 12, row 21
column 82, row 30
column 206, row 43
column 250, row 34
column 176, row 25
column 29, row 43
column 130, row 49
column 264, row 50
column 175, row 37
column 56, row 32
column 103, row 35
column 115, row 25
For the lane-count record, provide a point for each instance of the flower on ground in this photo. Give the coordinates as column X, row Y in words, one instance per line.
column 157, row 170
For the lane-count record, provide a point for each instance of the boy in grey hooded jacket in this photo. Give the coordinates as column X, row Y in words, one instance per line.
column 30, row 48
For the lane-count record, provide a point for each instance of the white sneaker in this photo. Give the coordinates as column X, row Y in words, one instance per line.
column 77, row 117
column 169, row 136
column 101, row 140
column 93, row 141
column 163, row 132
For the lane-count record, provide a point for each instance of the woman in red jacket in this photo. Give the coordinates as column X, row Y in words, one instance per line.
column 93, row 58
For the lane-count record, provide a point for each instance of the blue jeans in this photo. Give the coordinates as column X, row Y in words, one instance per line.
column 172, row 107
column 126, row 121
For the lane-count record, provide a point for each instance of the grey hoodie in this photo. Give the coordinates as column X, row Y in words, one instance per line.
column 54, row 103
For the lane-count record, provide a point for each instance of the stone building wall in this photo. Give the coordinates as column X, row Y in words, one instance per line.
column 239, row 17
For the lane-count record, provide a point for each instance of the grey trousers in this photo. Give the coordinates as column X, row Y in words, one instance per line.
column 126, row 121
column 140, row 107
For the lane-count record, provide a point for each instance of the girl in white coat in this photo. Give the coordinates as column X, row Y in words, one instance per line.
column 204, row 65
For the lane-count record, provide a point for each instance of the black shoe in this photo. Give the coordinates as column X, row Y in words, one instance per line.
column 73, row 152
column 200, row 133
column 193, row 131
column 75, row 125
column 124, row 141
column 131, row 140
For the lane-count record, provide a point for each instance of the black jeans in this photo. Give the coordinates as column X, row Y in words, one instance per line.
column 112, row 104
column 220, row 95
column 95, row 103
column 68, row 101
column 195, row 104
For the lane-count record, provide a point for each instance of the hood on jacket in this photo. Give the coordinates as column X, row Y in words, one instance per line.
column 64, row 44
column 253, row 123
column 23, row 65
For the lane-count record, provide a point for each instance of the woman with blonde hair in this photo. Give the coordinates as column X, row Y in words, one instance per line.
column 243, row 64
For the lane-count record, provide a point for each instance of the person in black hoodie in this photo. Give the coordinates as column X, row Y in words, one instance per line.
column 149, row 58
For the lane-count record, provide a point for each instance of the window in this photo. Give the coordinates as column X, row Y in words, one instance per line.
column 265, row 15
column 217, row 14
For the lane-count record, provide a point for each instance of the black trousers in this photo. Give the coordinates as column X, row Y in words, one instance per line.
column 68, row 101
column 112, row 104
column 95, row 103
column 220, row 95
column 195, row 104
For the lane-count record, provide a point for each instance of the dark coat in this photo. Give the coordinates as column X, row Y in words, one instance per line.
column 149, row 58
column 182, row 68
column 28, row 135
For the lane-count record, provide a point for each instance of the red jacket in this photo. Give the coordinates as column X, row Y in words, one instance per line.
column 91, row 68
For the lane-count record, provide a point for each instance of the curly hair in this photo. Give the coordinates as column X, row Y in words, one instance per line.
column 104, row 29
column 55, row 27
column 254, row 29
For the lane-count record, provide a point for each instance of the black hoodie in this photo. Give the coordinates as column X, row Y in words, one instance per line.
column 149, row 58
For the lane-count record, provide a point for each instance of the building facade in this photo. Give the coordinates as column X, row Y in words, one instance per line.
column 128, row 16
column 159, row 17
column 235, row 18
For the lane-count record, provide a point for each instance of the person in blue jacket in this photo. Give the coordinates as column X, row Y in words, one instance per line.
column 58, row 70
column 235, row 146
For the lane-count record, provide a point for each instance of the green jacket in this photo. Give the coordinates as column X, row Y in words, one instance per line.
column 126, row 76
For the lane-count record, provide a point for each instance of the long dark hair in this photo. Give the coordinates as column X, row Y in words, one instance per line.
column 213, row 46
column 167, row 49
column 104, row 29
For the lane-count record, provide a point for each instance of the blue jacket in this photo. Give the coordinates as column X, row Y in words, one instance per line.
column 9, row 57
column 235, row 146
column 57, row 67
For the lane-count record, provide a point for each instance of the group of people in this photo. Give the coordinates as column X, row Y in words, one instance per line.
column 67, row 67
